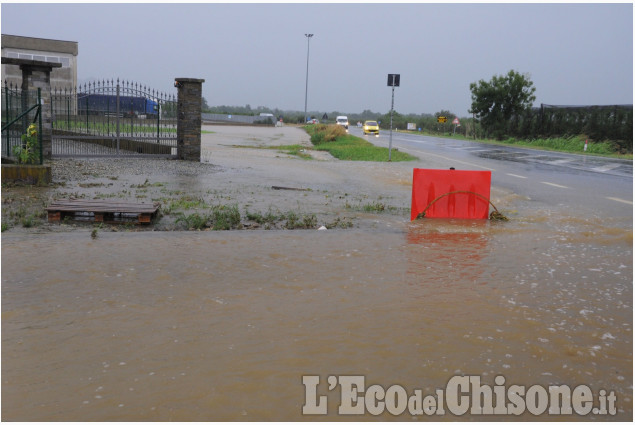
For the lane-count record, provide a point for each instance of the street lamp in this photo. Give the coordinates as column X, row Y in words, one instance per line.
column 306, row 90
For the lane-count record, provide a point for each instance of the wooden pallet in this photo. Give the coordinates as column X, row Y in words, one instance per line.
column 101, row 210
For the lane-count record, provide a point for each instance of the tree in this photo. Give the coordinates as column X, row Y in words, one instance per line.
column 505, row 97
column 445, row 113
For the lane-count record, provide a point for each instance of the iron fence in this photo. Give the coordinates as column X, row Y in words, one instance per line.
column 20, row 109
column 113, row 118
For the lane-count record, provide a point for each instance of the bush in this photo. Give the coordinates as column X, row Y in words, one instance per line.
column 322, row 133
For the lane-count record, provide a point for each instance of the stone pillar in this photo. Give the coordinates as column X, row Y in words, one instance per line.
column 188, row 128
column 37, row 75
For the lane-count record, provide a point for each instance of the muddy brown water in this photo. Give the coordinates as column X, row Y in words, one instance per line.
column 197, row 326
column 223, row 325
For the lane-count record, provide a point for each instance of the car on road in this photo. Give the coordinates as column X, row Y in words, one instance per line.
column 371, row 127
column 342, row 120
column 313, row 121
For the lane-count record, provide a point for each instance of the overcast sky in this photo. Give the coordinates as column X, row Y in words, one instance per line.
column 256, row 54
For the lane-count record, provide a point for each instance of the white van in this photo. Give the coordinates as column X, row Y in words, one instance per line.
column 342, row 120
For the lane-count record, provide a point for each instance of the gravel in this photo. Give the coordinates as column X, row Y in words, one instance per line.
column 75, row 169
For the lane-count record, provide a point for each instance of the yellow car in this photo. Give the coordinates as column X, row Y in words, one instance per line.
column 371, row 127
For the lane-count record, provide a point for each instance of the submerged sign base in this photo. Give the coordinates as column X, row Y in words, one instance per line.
column 450, row 193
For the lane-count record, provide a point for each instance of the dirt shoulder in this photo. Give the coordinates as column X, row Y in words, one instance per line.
column 241, row 170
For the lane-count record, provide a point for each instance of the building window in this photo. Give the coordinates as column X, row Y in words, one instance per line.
column 66, row 62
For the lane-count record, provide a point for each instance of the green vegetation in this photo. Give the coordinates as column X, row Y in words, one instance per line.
column 503, row 108
column 335, row 140
column 220, row 217
column 294, row 221
column 183, row 203
column 228, row 217
column 28, row 152
column 567, row 144
column 573, row 144
column 24, row 217
column 296, row 150
column 269, row 218
column 110, row 127
column 497, row 101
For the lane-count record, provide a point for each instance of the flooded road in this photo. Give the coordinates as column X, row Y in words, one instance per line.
column 197, row 326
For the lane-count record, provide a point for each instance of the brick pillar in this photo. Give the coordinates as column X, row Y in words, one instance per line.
column 36, row 74
column 188, row 128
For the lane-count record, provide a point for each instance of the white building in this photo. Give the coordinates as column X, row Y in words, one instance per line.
column 44, row 50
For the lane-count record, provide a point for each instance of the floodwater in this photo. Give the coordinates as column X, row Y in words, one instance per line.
column 198, row 326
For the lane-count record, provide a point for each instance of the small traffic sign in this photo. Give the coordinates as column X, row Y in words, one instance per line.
column 455, row 121
column 442, row 119
column 393, row 80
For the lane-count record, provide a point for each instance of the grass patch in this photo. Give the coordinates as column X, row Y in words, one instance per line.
column 294, row 221
column 220, row 217
column 295, row 150
column 370, row 207
column 573, row 144
column 183, row 203
column 268, row 218
column 288, row 220
column 567, row 144
column 335, row 140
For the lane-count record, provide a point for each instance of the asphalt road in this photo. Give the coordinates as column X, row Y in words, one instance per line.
column 584, row 183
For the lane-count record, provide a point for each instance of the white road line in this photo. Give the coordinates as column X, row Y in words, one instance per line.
column 555, row 185
column 419, row 153
column 516, row 175
column 605, row 168
column 560, row 161
column 624, row 201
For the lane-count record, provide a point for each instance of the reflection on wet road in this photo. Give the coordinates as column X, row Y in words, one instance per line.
column 578, row 162
column 222, row 325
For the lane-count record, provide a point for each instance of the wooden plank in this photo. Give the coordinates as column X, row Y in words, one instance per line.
column 100, row 209
column 101, row 206
column 74, row 204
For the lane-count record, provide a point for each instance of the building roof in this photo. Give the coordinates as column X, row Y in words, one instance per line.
column 30, row 62
column 40, row 44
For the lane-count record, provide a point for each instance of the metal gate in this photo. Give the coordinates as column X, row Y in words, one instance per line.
column 114, row 119
column 20, row 109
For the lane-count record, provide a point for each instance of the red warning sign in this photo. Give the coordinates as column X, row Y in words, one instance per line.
column 450, row 193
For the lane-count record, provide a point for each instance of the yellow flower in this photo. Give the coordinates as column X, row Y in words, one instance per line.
column 32, row 130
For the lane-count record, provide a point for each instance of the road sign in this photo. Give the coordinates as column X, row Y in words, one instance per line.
column 442, row 119
column 393, row 80
column 455, row 121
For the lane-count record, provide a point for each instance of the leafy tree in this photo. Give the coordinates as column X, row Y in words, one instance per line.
column 505, row 97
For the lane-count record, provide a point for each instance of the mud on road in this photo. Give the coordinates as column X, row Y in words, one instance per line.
column 242, row 170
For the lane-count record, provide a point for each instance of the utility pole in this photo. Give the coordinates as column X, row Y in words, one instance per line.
column 306, row 89
column 393, row 81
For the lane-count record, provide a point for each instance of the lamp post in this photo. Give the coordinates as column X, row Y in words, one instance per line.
column 306, row 89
